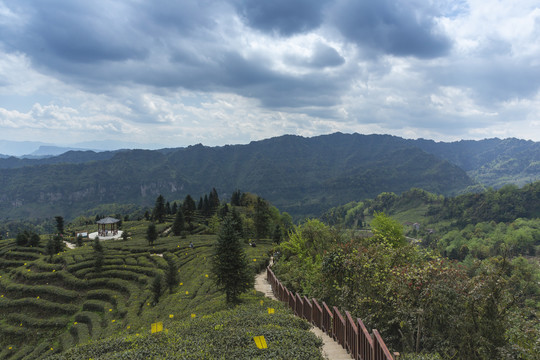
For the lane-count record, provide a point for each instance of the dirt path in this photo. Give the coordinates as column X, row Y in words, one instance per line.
column 331, row 349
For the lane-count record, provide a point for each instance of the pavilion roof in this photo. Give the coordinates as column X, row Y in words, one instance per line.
column 108, row 220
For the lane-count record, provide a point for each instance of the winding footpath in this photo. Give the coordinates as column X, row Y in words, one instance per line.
column 331, row 349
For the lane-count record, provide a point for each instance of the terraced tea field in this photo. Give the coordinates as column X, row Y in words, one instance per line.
column 48, row 305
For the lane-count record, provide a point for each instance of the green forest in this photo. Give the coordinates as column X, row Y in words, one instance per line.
column 439, row 277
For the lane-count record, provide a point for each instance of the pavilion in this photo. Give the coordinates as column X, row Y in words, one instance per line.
column 108, row 226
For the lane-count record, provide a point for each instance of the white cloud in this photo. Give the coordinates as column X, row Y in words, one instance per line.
column 215, row 72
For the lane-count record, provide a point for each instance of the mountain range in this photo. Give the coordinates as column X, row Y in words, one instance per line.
column 303, row 176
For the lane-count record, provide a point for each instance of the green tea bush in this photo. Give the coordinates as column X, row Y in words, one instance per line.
column 46, row 306
column 96, row 305
column 51, row 292
column 92, row 320
column 31, row 322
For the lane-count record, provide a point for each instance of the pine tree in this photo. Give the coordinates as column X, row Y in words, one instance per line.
column 277, row 235
column 213, row 200
column 59, row 224
column 235, row 198
column 230, row 268
column 151, row 234
column 179, row 223
column 262, row 218
column 98, row 254
column 34, row 240
column 168, row 208
column 171, row 275
column 159, row 209
column 188, row 208
column 22, row 239
column 174, row 208
column 206, row 210
column 157, row 287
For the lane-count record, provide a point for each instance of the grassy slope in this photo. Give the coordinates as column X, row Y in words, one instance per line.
column 46, row 308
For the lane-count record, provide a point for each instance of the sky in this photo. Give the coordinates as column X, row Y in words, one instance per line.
column 216, row 72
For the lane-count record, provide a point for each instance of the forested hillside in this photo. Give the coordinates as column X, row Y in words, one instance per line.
column 300, row 175
column 464, row 284
column 303, row 176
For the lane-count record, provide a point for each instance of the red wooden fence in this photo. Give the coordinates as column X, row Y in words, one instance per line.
column 353, row 336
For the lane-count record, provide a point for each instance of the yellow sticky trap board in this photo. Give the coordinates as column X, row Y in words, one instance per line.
column 171, row 316
column 260, row 342
column 193, row 315
column 157, row 327
column 271, row 310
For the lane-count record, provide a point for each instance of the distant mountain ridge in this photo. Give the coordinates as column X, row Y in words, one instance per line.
column 303, row 176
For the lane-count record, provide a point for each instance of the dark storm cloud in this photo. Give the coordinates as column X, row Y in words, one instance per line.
column 401, row 28
column 323, row 56
column 102, row 44
column 283, row 17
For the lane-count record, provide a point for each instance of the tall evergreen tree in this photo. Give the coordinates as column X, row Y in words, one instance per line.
column 206, row 210
column 34, row 240
column 98, row 254
column 174, row 208
column 168, row 208
column 171, row 274
column 151, row 234
column 157, row 287
column 22, row 238
column 213, row 200
column 59, row 224
column 235, row 198
column 179, row 223
column 188, row 208
column 229, row 265
column 262, row 218
column 159, row 209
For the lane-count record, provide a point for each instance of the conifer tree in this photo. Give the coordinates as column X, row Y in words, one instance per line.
column 59, row 224
column 179, row 223
column 159, row 209
column 171, row 275
column 157, row 287
column 34, row 240
column 174, row 208
column 206, row 210
column 98, row 254
column 235, row 198
column 151, row 234
column 262, row 218
column 188, row 207
column 213, row 200
column 229, row 265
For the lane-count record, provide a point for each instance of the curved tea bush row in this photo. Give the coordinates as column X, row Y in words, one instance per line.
column 80, row 332
column 54, row 292
column 7, row 264
column 92, row 320
column 41, row 304
column 33, row 323
column 96, row 306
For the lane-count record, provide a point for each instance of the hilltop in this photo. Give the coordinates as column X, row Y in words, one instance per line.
column 303, row 176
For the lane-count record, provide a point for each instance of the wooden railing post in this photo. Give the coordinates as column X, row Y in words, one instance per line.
column 317, row 314
column 339, row 327
column 327, row 320
column 365, row 342
column 351, row 336
column 308, row 310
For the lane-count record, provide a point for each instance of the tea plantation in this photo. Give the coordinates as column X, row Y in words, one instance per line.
column 72, row 306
